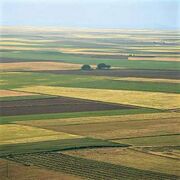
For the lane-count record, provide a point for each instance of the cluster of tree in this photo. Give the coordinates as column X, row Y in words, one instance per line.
column 101, row 66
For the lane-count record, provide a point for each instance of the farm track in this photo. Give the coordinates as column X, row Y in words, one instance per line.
column 90, row 169
column 146, row 73
column 55, row 105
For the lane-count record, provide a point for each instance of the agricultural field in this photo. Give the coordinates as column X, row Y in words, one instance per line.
column 34, row 66
column 61, row 122
column 30, row 172
column 143, row 99
column 55, row 105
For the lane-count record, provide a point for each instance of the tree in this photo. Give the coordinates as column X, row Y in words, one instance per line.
column 103, row 66
column 86, row 67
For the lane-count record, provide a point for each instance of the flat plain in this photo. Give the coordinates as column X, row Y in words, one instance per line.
column 137, row 98
column 61, row 122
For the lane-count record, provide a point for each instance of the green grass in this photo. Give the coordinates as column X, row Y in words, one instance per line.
column 11, row 119
column 57, row 56
column 22, row 79
column 165, row 140
column 55, row 145
column 12, row 98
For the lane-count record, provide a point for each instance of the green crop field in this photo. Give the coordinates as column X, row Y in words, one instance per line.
column 123, row 63
column 13, row 80
column 165, row 140
column 117, row 123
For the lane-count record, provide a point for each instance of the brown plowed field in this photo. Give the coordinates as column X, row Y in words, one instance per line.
column 54, row 105
column 147, row 73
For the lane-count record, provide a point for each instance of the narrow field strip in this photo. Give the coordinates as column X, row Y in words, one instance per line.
column 53, row 116
column 34, row 96
column 38, row 66
column 166, row 140
column 55, row 105
column 147, row 136
column 24, row 48
column 16, row 43
column 176, row 81
column 138, row 98
column 171, row 59
column 56, row 145
column 87, row 168
column 14, row 134
column 101, row 119
column 11, row 93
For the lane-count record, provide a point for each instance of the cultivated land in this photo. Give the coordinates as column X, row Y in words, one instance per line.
column 55, row 105
column 20, row 171
column 61, row 122
column 27, row 134
column 10, row 93
column 143, row 99
column 32, row 66
column 114, row 128
column 140, row 73
column 130, row 158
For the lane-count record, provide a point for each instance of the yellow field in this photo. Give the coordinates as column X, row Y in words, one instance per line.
column 159, row 50
column 89, row 51
column 13, row 134
column 130, row 158
column 155, row 58
column 138, row 98
column 69, row 50
column 15, row 48
column 2, row 82
column 26, row 40
column 38, row 66
column 15, row 43
column 176, row 81
column 155, row 47
column 9, row 93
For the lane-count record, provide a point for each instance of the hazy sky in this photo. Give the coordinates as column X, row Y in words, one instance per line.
column 92, row 13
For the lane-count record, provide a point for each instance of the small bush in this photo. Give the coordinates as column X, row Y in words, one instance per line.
column 103, row 66
column 86, row 67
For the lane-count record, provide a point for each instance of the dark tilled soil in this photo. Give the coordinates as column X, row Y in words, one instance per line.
column 55, row 105
column 146, row 73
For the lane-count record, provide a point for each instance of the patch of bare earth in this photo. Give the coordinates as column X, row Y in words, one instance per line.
column 9, row 93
